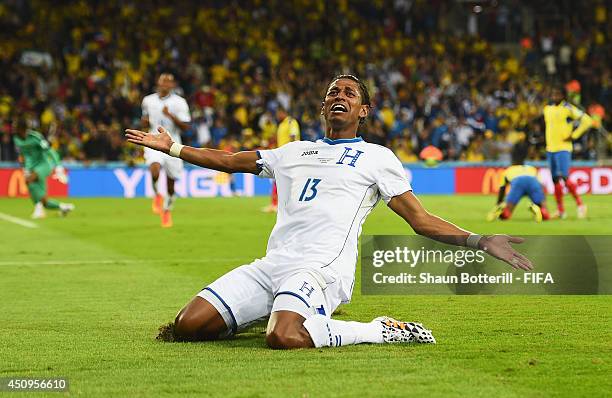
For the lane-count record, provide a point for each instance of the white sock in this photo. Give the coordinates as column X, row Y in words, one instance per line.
column 39, row 209
column 326, row 332
column 154, row 185
column 169, row 202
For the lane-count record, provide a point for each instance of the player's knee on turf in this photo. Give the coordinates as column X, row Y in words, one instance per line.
column 287, row 339
column 194, row 326
column 190, row 328
column 285, row 334
column 185, row 327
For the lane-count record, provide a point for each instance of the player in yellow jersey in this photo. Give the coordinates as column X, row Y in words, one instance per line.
column 523, row 181
column 560, row 117
column 288, row 130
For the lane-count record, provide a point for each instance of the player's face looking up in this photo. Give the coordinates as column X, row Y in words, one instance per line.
column 343, row 105
column 165, row 84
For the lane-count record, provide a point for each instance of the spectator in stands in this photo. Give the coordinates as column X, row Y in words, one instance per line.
column 76, row 65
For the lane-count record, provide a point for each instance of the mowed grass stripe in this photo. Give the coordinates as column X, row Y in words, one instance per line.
column 17, row 220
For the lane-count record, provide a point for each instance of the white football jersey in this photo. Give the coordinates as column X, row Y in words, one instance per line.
column 152, row 107
column 326, row 189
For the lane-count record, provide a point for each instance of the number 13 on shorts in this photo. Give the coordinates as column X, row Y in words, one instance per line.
column 309, row 191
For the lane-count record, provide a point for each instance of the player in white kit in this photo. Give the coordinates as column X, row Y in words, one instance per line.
column 170, row 111
column 326, row 190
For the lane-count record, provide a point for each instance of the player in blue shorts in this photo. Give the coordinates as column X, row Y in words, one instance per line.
column 326, row 189
column 565, row 123
column 523, row 181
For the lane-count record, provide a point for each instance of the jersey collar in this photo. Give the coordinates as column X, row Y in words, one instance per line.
column 341, row 140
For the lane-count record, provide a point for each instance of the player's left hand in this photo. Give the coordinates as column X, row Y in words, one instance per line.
column 499, row 247
column 166, row 111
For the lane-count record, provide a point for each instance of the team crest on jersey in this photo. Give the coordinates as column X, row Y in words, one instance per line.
column 350, row 155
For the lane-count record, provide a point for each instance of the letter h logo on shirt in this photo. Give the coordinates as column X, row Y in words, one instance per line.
column 306, row 288
column 347, row 154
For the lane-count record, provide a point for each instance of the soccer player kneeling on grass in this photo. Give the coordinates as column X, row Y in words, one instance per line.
column 523, row 181
column 39, row 162
column 326, row 190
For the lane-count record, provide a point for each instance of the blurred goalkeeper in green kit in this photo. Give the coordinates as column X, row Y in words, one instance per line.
column 39, row 161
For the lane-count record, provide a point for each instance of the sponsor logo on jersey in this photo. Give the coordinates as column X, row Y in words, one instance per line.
column 308, row 153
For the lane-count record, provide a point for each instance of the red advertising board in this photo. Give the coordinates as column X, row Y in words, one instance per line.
column 467, row 180
column 486, row 180
column 12, row 185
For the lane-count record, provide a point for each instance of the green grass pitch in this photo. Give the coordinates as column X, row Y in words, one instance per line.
column 82, row 297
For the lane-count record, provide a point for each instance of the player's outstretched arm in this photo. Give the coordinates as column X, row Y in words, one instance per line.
column 210, row 158
column 409, row 207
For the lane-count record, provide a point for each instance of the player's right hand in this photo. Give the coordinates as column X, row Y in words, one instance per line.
column 160, row 142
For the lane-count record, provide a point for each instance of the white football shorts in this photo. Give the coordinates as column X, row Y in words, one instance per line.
column 247, row 294
column 171, row 165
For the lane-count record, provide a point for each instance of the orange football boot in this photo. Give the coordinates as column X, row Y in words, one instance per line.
column 166, row 219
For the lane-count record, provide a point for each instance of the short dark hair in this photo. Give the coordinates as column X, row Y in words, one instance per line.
column 560, row 87
column 363, row 90
column 21, row 124
column 519, row 153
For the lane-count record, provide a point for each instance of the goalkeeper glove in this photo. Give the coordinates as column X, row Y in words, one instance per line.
column 60, row 175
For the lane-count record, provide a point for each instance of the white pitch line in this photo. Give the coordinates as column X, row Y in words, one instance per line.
column 18, row 221
column 117, row 262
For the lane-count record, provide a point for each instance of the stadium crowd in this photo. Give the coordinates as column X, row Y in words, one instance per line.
column 470, row 82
